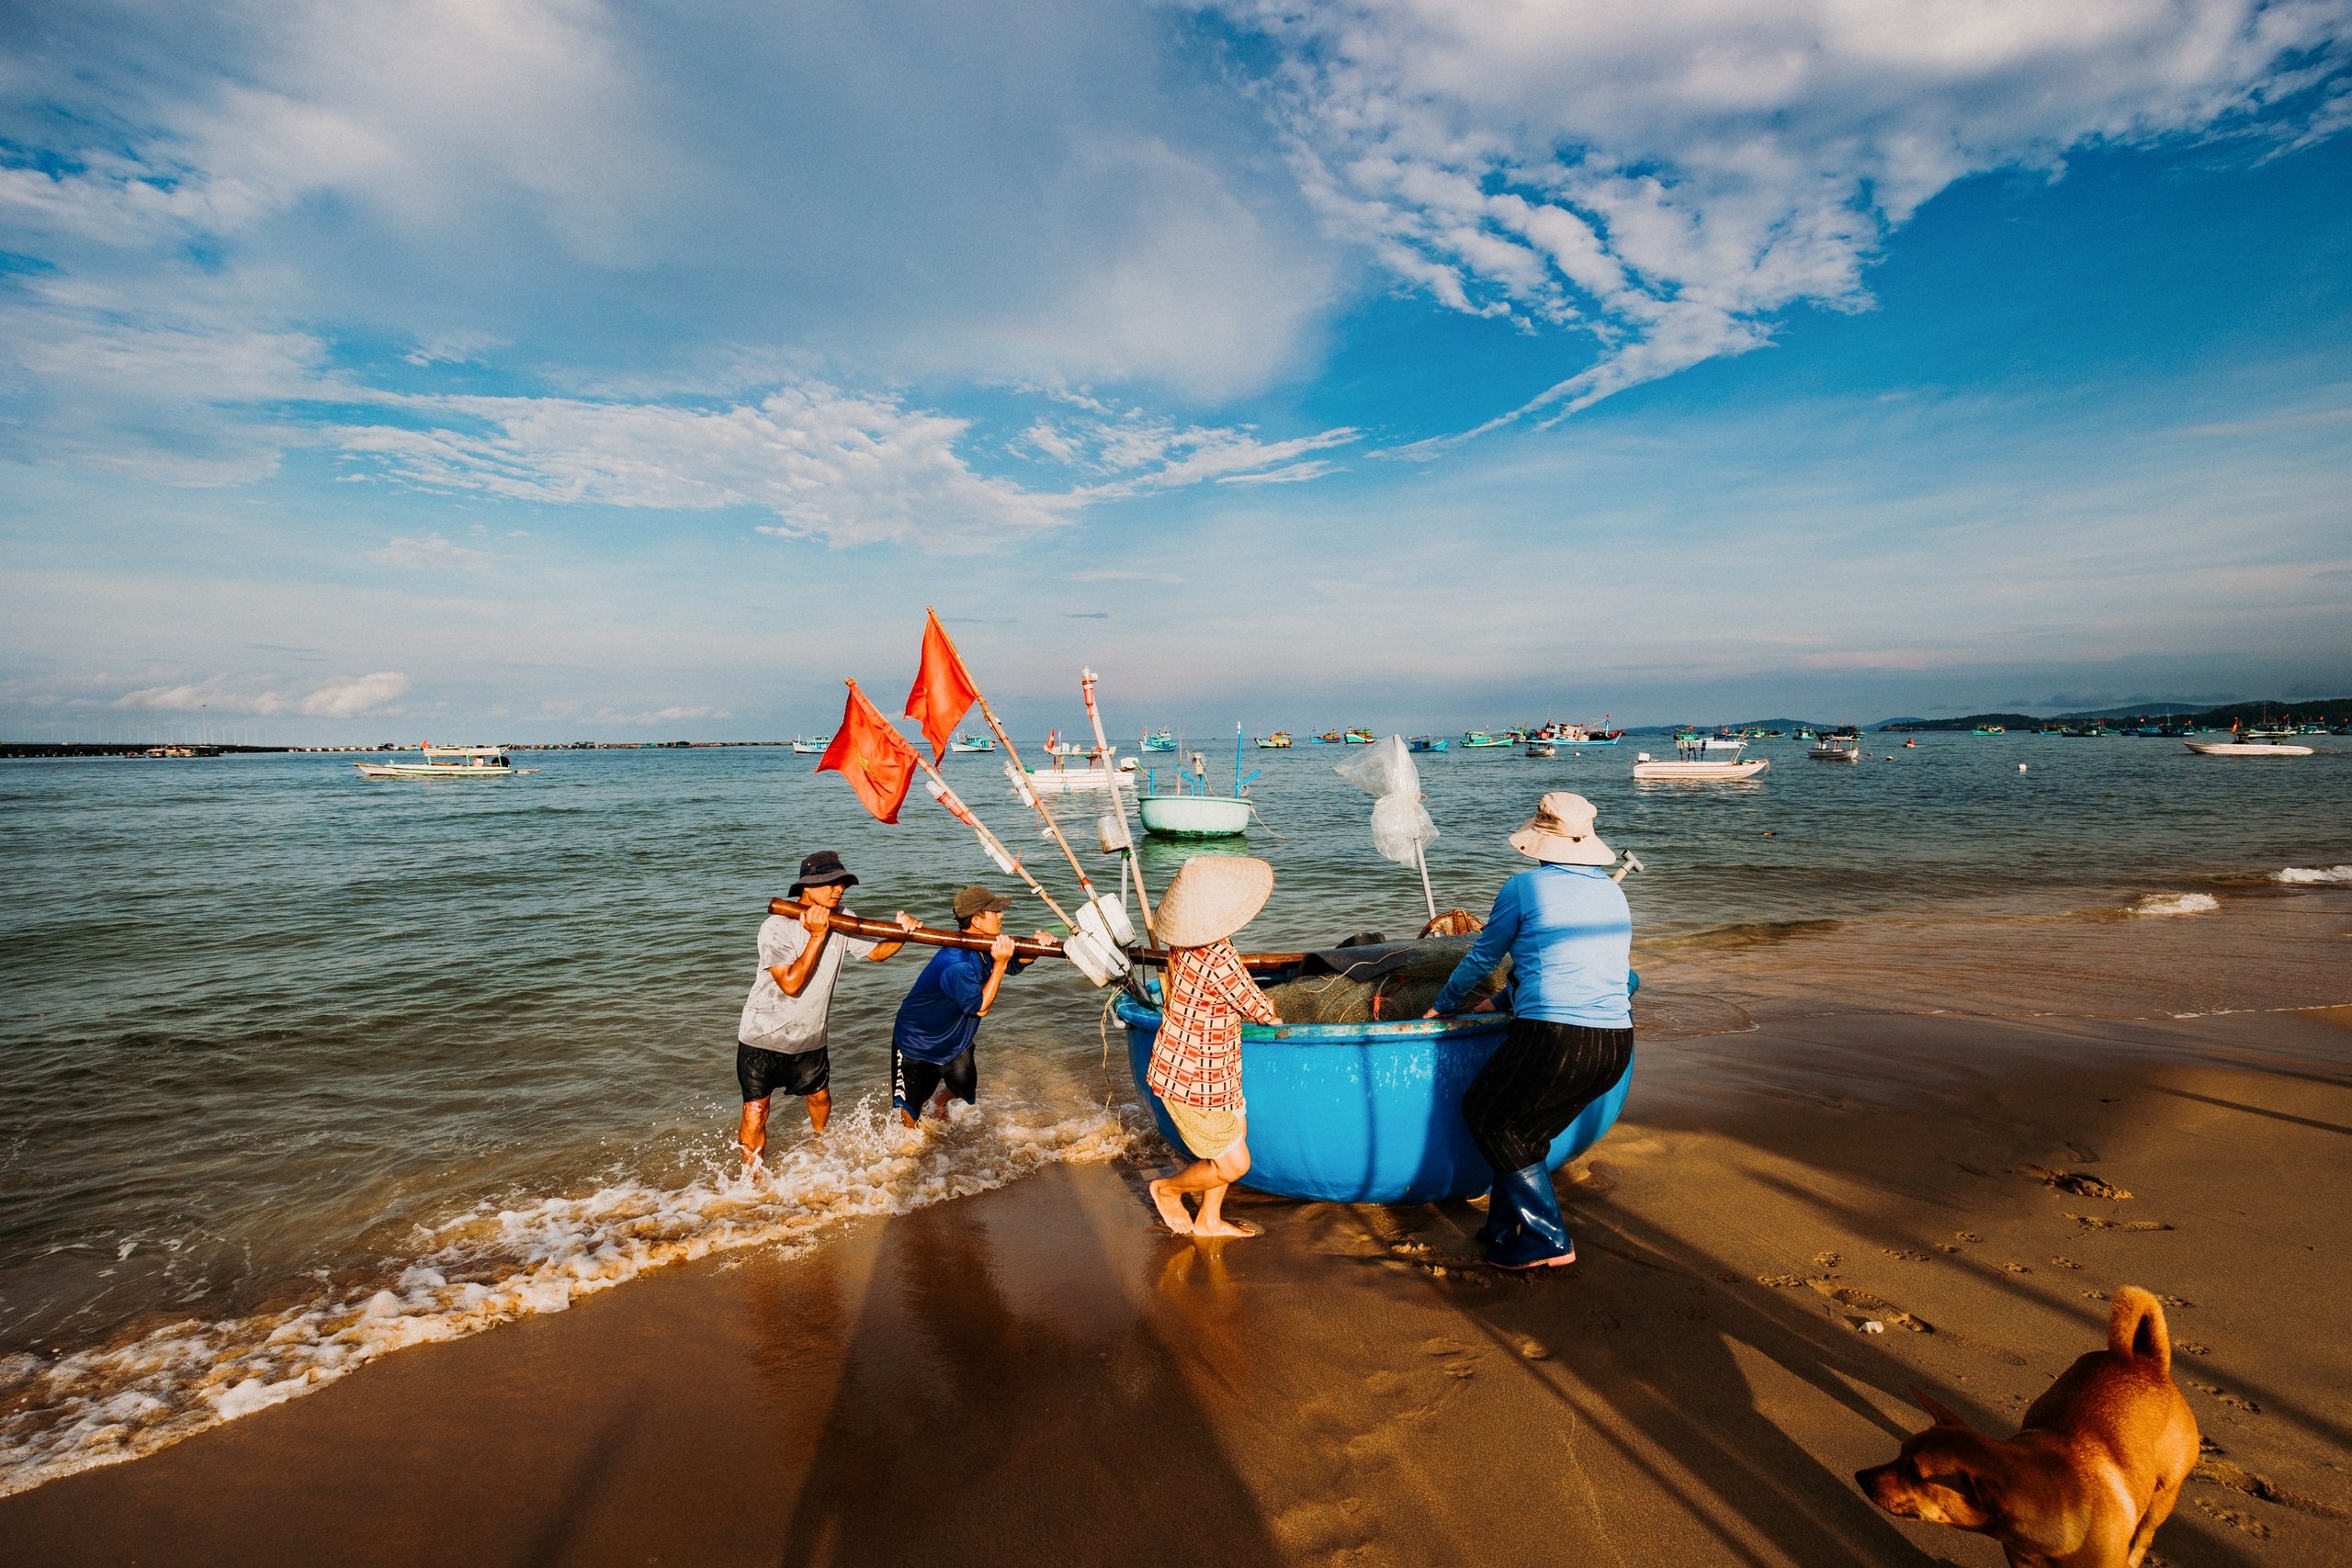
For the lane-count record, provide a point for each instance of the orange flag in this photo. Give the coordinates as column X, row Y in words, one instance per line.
column 944, row 691
column 868, row 751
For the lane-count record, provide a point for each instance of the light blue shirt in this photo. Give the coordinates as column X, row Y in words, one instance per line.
column 1570, row 937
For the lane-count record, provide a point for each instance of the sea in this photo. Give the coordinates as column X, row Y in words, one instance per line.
column 302, row 1069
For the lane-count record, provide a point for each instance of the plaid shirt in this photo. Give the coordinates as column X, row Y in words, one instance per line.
column 1197, row 1059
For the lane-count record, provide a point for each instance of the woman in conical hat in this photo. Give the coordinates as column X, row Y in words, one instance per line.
column 1196, row 1060
column 1569, row 933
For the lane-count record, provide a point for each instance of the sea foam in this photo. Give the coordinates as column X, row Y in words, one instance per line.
column 2176, row 904
column 491, row 1265
column 2306, row 874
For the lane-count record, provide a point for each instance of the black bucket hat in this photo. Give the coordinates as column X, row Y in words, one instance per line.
column 822, row 869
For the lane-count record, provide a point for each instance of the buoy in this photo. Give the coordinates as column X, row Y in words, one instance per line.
column 2020, row 767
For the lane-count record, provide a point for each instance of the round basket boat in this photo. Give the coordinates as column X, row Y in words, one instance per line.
column 1364, row 1113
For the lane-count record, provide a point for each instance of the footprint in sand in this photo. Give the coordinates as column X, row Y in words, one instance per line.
column 2192, row 1347
column 2063, row 1263
column 2076, row 1182
column 2092, row 1221
column 1780, row 1279
column 2234, row 1401
column 1877, row 1306
column 2237, row 1518
column 1906, row 1254
column 1966, row 1235
column 1826, row 1260
column 2017, row 1268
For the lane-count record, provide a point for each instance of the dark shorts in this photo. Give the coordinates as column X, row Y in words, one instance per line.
column 1541, row 1079
column 912, row 1083
column 762, row 1073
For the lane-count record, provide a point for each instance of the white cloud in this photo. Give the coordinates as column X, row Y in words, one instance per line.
column 343, row 698
column 1667, row 175
column 432, row 553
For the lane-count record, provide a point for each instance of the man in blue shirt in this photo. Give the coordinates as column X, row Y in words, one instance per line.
column 930, row 1043
column 1569, row 934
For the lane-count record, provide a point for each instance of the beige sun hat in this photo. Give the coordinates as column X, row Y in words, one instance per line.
column 1560, row 833
column 1210, row 897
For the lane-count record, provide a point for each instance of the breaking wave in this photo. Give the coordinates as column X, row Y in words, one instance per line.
column 489, row 1265
column 2176, row 904
column 2307, row 874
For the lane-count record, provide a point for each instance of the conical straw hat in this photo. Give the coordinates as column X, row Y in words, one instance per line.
column 1211, row 897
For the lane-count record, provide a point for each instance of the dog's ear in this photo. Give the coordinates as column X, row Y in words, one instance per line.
column 1943, row 1418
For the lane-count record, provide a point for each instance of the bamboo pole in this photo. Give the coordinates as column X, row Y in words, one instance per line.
column 1024, row 947
column 1133, row 863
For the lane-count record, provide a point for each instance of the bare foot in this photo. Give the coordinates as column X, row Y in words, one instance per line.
column 1226, row 1227
column 1170, row 1205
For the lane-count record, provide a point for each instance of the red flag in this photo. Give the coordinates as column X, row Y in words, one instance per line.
column 944, row 691
column 868, row 751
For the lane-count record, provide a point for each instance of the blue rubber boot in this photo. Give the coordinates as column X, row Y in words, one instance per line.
column 1543, row 1240
column 1502, row 1220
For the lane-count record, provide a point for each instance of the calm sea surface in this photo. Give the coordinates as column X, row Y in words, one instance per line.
column 301, row 1068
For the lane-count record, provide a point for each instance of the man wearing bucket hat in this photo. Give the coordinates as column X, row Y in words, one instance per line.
column 931, row 1041
column 1196, row 1060
column 781, row 1043
column 1569, row 933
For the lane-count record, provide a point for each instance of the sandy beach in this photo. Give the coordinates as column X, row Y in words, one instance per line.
column 1038, row 1375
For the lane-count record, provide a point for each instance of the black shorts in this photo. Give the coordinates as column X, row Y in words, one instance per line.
column 912, row 1083
column 763, row 1072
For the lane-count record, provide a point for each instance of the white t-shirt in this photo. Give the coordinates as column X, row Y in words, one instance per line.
column 774, row 1021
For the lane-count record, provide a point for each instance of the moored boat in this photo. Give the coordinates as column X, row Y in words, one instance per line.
column 1698, row 760
column 967, row 743
column 447, row 763
column 1542, row 748
column 1479, row 740
column 2245, row 748
column 1360, row 738
column 1159, row 740
column 1427, row 743
column 1278, row 741
column 806, row 748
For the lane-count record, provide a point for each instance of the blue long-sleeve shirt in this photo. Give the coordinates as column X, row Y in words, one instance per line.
column 1570, row 937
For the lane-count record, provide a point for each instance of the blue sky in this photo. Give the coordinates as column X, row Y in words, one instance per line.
column 547, row 368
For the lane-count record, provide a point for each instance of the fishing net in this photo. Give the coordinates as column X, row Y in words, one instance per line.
column 1377, row 983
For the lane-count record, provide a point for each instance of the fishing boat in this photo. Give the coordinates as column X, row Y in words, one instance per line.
column 1837, row 746
column 1360, row 738
column 967, row 743
column 1542, row 748
column 1360, row 1112
column 1425, row 743
column 1479, row 740
column 447, row 763
column 1701, row 760
column 1096, row 774
column 1159, row 740
column 2245, row 748
column 1278, row 741
column 1990, row 729
column 1187, row 810
column 810, row 748
column 1056, row 747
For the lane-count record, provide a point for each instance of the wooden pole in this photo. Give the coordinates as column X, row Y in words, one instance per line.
column 1024, row 947
column 1133, row 866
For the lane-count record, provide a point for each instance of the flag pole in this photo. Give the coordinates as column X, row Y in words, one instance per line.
column 1016, row 769
column 989, row 841
column 1132, row 865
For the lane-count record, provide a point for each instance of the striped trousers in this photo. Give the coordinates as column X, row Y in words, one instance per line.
column 1541, row 1079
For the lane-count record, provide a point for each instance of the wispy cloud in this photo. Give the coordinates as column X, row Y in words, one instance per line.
column 344, row 698
column 432, row 553
column 1666, row 178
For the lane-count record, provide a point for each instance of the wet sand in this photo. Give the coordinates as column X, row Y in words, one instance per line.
column 1038, row 1375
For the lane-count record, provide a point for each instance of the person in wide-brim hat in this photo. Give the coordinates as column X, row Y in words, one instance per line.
column 1569, row 934
column 1196, row 1059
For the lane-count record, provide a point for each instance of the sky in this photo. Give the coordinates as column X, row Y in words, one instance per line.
column 547, row 369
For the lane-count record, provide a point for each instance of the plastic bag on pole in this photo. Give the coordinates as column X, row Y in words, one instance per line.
column 1401, row 825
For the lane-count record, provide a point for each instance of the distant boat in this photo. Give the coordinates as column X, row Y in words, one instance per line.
column 453, row 762
column 1839, row 746
column 810, row 748
column 1989, row 730
column 1329, row 738
column 1541, row 749
column 972, row 743
column 2245, row 748
column 1159, row 740
column 1278, row 741
column 1479, row 740
column 1425, row 743
column 1696, row 761
column 1183, row 812
column 1360, row 738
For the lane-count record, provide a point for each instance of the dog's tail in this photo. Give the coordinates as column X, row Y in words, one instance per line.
column 2136, row 1331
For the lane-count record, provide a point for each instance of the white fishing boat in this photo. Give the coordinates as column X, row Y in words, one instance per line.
column 1701, row 761
column 964, row 744
column 447, row 763
column 1076, row 781
column 2245, row 748
column 810, row 748
column 1839, row 746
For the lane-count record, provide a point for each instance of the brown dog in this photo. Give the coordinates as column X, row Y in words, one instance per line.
column 2094, row 1470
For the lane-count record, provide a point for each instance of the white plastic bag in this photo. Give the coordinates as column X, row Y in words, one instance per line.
column 1402, row 829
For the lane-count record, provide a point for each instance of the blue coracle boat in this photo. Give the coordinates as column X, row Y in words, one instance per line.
column 1364, row 1113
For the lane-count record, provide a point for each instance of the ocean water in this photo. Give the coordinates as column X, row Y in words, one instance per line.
column 301, row 1069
